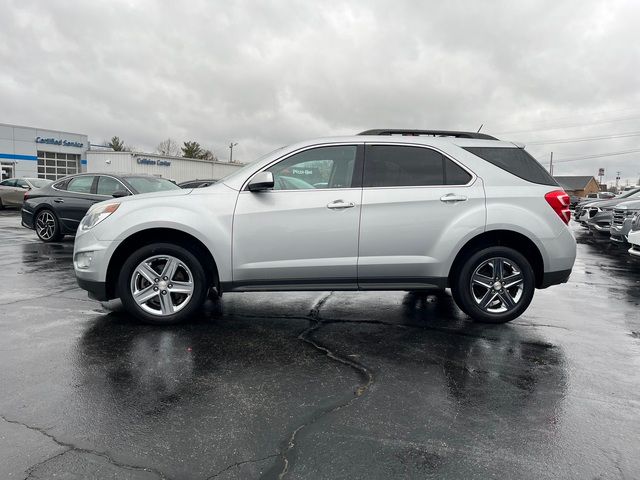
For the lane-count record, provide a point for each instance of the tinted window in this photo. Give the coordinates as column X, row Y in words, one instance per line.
column 22, row 184
column 81, row 184
column 8, row 183
column 515, row 161
column 402, row 166
column 151, row 184
column 109, row 186
column 454, row 174
column 324, row 167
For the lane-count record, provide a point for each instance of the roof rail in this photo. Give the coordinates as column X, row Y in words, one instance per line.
column 433, row 133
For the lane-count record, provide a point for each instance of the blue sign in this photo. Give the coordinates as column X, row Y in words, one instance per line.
column 149, row 161
column 59, row 141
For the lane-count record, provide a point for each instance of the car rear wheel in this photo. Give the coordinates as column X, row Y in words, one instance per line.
column 162, row 284
column 47, row 226
column 494, row 285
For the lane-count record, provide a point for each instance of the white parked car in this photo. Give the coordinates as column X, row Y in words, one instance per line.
column 634, row 236
column 383, row 210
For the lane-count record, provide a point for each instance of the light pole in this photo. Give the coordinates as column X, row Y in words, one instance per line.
column 231, row 145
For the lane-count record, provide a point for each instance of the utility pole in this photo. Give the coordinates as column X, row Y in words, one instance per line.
column 551, row 164
column 231, row 145
column 617, row 181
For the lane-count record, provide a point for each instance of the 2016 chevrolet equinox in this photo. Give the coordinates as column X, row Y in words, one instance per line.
column 383, row 210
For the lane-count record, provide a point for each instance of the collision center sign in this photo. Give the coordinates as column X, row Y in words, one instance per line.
column 151, row 161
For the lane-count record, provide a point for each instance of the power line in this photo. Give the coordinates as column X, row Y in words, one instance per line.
column 598, row 155
column 586, row 139
column 558, row 127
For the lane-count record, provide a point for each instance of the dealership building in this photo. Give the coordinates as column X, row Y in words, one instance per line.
column 36, row 152
column 53, row 154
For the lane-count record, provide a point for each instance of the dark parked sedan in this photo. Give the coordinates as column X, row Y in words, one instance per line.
column 57, row 209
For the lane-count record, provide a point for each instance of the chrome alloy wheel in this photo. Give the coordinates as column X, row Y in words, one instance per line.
column 162, row 285
column 497, row 285
column 45, row 225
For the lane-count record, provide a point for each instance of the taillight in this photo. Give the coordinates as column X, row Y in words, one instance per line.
column 559, row 201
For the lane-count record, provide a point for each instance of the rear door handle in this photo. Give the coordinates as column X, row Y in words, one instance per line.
column 58, row 200
column 340, row 205
column 453, row 198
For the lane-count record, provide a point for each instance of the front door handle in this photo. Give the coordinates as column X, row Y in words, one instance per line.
column 453, row 198
column 340, row 205
column 58, row 200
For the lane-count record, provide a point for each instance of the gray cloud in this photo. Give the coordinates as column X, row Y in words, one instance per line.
column 266, row 74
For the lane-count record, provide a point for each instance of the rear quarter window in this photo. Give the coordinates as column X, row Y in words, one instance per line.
column 516, row 161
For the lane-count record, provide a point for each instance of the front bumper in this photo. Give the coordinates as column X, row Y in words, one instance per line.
column 93, row 277
column 554, row 278
column 634, row 240
column 96, row 290
column 601, row 222
column 619, row 232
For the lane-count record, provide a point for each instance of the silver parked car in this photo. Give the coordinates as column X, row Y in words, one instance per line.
column 383, row 210
column 12, row 190
column 623, row 216
column 600, row 215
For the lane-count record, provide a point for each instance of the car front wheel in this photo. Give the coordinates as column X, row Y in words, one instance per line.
column 494, row 285
column 162, row 284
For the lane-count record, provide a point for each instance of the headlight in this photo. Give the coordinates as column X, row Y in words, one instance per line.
column 97, row 214
column 635, row 223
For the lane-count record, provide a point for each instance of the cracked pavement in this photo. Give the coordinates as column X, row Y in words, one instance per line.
column 317, row 385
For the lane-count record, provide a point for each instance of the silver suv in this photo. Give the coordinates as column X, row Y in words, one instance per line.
column 383, row 210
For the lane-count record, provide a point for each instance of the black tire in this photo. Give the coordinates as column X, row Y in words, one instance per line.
column 1, row 205
column 193, row 270
column 51, row 233
column 499, row 301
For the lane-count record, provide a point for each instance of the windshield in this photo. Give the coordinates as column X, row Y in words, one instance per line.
column 39, row 182
column 630, row 193
column 151, row 184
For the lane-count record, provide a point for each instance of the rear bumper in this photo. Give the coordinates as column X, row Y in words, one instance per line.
column 96, row 290
column 27, row 218
column 554, row 278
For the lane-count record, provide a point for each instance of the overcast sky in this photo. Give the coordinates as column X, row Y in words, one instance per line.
column 269, row 73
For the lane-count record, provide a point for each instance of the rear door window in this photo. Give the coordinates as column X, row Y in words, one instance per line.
column 8, row 183
column 81, row 184
column 109, row 185
column 516, row 161
column 407, row 166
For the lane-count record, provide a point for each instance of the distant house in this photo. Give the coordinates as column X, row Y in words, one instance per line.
column 579, row 186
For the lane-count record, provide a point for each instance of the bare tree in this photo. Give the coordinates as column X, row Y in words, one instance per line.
column 168, row 147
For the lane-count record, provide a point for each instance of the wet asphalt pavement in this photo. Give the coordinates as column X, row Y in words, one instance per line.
column 317, row 385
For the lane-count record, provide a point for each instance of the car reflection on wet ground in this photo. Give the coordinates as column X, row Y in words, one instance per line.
column 320, row 384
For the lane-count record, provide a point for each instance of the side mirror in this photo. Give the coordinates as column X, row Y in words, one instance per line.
column 120, row 193
column 261, row 181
